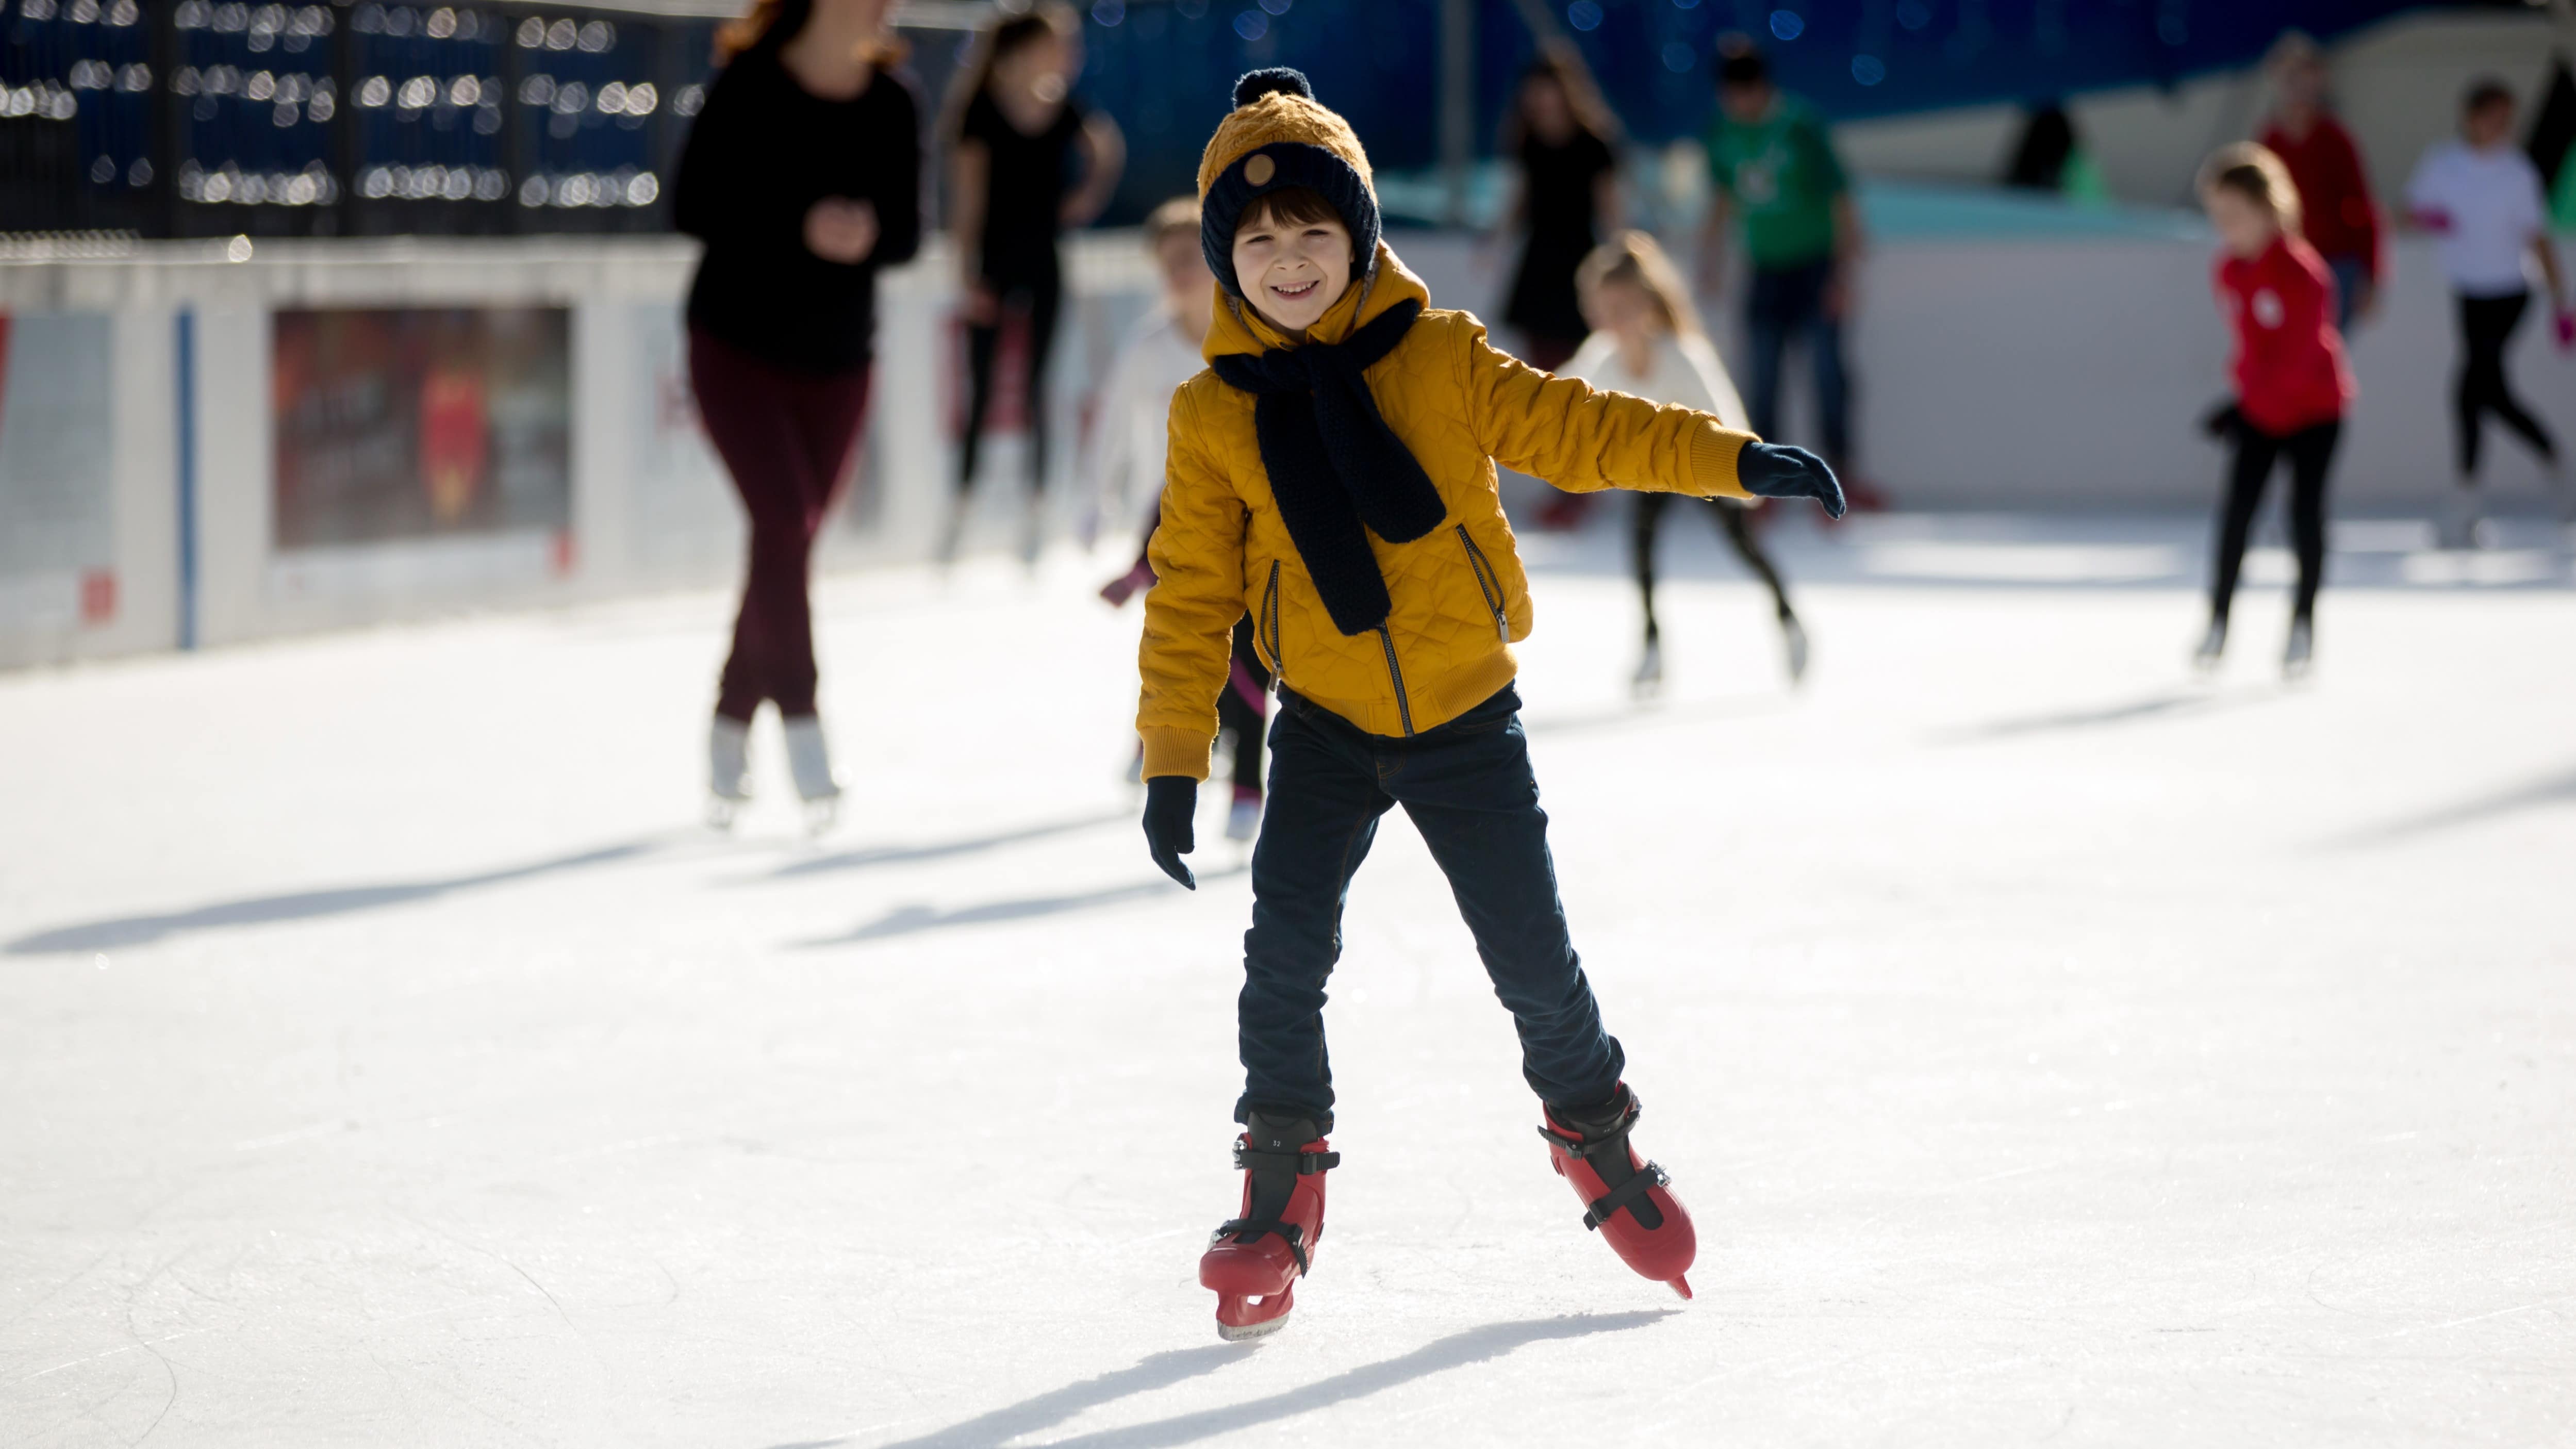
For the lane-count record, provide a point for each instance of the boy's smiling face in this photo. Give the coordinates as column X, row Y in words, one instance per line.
column 1291, row 272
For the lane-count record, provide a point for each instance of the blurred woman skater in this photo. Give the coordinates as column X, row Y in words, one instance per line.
column 1647, row 342
column 2291, row 381
column 1565, row 195
column 2482, row 196
column 802, row 175
column 1013, row 132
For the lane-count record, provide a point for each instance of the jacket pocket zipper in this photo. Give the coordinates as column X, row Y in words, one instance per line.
column 1488, row 587
column 1403, row 709
column 1271, row 603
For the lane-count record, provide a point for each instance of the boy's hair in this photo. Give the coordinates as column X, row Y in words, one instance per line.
column 1634, row 259
column 1176, row 217
column 2483, row 92
column 1740, row 63
column 1288, row 206
column 2255, row 173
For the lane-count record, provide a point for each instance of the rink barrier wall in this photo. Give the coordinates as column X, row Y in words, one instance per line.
column 2038, row 372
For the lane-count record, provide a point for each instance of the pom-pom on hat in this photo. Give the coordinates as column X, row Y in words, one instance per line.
column 1280, row 136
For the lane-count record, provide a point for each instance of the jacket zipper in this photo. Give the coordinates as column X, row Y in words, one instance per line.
column 1276, row 669
column 1403, row 710
column 1492, row 596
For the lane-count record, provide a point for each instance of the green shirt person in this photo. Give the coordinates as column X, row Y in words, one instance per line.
column 1772, row 164
column 1778, row 170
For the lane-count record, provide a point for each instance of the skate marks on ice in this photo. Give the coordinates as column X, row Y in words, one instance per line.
column 2534, row 794
column 949, row 849
column 1455, row 1351
column 1660, row 711
column 913, row 919
column 1147, row 1375
column 125, row 932
column 2178, row 702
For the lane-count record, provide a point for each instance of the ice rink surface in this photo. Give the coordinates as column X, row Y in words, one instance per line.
column 2051, row 1048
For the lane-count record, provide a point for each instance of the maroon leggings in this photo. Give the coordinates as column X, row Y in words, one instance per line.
column 785, row 436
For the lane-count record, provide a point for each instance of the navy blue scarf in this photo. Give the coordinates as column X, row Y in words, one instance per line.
column 1338, row 471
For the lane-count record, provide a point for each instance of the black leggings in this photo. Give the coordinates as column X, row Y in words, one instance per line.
column 1036, row 298
column 1736, row 519
column 2486, row 324
column 2311, row 452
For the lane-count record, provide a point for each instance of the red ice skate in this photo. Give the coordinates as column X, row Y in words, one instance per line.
column 1627, row 1198
column 1254, row 1261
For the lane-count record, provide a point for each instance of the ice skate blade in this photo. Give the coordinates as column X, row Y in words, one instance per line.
column 822, row 814
column 1680, row 1285
column 721, row 812
column 1248, row 1332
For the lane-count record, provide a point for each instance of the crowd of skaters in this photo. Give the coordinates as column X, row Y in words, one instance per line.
column 2303, row 262
column 805, row 174
column 1321, row 444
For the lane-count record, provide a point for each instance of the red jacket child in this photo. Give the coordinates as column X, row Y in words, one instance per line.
column 2289, row 368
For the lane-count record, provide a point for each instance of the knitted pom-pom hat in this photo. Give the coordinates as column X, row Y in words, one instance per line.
column 1280, row 136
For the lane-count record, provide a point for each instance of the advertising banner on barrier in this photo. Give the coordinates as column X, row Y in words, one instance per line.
column 57, row 454
column 398, row 426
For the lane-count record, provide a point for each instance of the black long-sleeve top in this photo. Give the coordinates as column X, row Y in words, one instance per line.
column 763, row 151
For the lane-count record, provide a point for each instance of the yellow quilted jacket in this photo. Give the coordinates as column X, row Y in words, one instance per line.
column 1460, row 597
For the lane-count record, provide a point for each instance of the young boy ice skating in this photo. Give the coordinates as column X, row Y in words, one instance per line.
column 1332, row 473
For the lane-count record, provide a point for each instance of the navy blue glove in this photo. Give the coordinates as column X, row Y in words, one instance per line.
column 1771, row 470
column 1171, row 805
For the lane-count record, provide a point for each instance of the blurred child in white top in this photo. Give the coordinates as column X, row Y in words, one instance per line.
column 1122, row 468
column 1647, row 342
column 1123, row 472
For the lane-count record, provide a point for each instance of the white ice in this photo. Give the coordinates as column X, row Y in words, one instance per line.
column 2051, row 1048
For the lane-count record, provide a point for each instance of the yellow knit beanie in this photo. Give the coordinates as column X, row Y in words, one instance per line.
column 1280, row 136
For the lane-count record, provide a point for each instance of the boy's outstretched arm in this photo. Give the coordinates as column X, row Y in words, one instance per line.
column 1190, row 612
column 1582, row 440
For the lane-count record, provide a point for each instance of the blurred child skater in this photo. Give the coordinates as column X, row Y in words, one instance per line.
column 1012, row 129
column 1333, row 473
column 2482, row 195
column 1160, row 354
column 1122, row 467
column 2336, row 212
column 1647, row 342
column 2291, row 381
column 803, row 175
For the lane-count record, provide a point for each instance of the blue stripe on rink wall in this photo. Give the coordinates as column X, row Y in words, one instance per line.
column 185, row 390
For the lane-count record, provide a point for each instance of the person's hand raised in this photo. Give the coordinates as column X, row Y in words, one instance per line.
column 839, row 229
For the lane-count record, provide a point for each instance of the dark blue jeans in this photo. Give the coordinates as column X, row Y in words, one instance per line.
column 1468, row 788
column 1783, row 304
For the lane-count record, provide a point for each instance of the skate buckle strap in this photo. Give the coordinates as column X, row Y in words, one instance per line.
column 1250, row 1230
column 1625, row 1195
column 1307, row 1163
